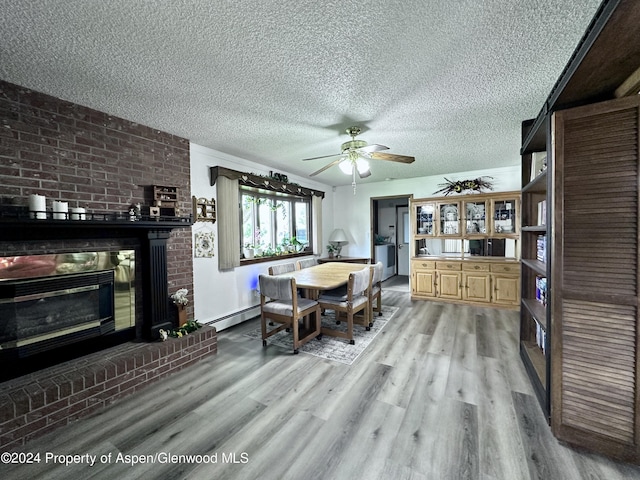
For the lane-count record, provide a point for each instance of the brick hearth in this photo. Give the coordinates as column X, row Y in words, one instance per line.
column 48, row 399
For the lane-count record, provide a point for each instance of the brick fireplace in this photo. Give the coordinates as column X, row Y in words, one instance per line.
column 104, row 164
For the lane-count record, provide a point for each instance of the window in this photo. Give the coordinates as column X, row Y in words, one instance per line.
column 274, row 224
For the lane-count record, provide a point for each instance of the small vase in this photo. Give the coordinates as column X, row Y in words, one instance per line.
column 248, row 252
column 182, row 315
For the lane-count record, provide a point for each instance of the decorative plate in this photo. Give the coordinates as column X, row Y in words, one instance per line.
column 204, row 245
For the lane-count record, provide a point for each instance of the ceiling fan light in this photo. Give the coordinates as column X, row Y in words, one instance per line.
column 346, row 166
column 362, row 165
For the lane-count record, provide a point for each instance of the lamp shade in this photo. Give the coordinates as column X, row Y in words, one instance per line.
column 338, row 235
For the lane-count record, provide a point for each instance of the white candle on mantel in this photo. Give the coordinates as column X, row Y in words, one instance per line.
column 78, row 213
column 37, row 206
column 60, row 210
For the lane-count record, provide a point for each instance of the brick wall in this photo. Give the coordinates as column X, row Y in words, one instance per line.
column 38, row 403
column 90, row 159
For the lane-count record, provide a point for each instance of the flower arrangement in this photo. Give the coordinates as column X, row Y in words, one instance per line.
column 180, row 297
column 190, row 326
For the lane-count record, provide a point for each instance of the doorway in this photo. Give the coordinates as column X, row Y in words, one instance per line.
column 390, row 234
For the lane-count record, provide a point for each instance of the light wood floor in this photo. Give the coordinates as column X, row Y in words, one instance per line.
column 440, row 394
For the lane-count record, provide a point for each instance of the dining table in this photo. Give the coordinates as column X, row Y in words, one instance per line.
column 325, row 276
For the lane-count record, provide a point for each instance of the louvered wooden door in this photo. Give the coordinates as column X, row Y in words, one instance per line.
column 594, row 336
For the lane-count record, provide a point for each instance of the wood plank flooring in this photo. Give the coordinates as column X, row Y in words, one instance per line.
column 441, row 393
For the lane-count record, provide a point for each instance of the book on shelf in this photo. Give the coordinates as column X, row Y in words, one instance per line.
column 541, row 338
column 542, row 212
column 541, row 248
column 541, row 289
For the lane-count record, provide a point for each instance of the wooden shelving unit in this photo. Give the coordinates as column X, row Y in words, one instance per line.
column 585, row 371
column 534, row 331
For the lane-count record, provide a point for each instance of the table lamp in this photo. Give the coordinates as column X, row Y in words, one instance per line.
column 339, row 239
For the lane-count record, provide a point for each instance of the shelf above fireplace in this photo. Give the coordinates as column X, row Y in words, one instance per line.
column 18, row 226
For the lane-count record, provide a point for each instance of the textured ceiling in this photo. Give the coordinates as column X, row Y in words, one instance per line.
column 447, row 82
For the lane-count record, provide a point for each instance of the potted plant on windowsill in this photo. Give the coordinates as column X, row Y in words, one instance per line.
column 297, row 244
column 249, row 250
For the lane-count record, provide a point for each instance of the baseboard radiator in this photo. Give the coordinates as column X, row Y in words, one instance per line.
column 235, row 318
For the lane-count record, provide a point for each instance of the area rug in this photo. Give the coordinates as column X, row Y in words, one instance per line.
column 332, row 348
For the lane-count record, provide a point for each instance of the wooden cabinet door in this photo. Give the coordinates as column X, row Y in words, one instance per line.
column 449, row 285
column 506, row 290
column 594, row 270
column 476, row 287
column 424, row 283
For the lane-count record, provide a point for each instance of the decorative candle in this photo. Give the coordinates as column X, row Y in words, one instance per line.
column 60, row 210
column 37, row 206
column 78, row 213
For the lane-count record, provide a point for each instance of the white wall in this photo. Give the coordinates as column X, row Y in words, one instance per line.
column 219, row 294
column 355, row 220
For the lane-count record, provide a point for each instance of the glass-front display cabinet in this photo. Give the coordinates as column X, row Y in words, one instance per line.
column 475, row 219
column 473, row 255
column 449, row 215
column 505, row 216
column 469, row 226
column 425, row 218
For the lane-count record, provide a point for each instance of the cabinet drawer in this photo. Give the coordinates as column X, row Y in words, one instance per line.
column 423, row 264
column 513, row 268
column 449, row 266
column 475, row 267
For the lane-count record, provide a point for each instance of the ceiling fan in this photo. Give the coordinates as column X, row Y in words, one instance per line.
column 355, row 155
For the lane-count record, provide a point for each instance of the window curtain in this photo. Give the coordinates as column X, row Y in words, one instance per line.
column 228, row 223
column 316, row 214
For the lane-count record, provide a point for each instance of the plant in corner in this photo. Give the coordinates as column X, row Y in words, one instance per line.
column 331, row 249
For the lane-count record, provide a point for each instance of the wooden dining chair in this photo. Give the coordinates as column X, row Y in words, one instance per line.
column 375, row 292
column 355, row 300
column 306, row 263
column 280, row 303
column 282, row 268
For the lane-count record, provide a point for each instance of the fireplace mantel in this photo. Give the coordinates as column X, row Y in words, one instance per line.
column 152, row 235
column 22, row 228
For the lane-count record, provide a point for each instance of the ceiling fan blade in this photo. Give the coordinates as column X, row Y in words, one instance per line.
column 335, row 162
column 372, row 148
column 392, row 157
column 323, row 156
column 364, row 174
